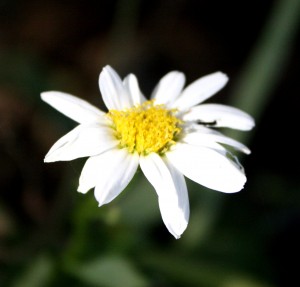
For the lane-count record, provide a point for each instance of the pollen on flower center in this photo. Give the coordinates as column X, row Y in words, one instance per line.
column 145, row 128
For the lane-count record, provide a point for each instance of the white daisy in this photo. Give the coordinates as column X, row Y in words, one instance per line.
column 169, row 137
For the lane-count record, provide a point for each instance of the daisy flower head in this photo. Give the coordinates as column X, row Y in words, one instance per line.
column 170, row 136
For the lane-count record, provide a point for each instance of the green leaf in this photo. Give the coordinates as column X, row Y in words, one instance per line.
column 37, row 274
column 110, row 271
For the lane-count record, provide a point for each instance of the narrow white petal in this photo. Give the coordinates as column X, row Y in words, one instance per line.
column 82, row 141
column 194, row 127
column 115, row 176
column 92, row 170
column 73, row 107
column 224, row 116
column 200, row 90
column 168, row 88
column 109, row 172
column 199, row 140
column 157, row 173
column 113, row 92
column 132, row 86
column 206, row 139
column 190, row 138
column 175, row 216
column 171, row 188
column 208, row 167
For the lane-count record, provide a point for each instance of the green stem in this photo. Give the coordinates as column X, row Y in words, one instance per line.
column 266, row 63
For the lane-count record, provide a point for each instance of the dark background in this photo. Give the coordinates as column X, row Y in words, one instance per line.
column 50, row 235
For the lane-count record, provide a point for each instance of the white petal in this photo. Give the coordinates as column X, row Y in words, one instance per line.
column 201, row 141
column 206, row 139
column 175, row 216
column 109, row 172
column 208, row 167
column 157, row 173
column 200, row 90
column 225, row 116
column 93, row 169
column 171, row 188
column 82, row 141
column 113, row 92
column 189, row 138
column 169, row 88
column 116, row 176
column 73, row 107
column 132, row 86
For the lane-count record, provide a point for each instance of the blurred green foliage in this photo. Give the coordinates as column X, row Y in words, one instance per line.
column 50, row 235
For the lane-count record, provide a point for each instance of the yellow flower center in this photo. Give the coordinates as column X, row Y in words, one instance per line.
column 145, row 128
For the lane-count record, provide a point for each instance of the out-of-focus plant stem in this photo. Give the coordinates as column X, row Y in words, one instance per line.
column 266, row 63
column 253, row 91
